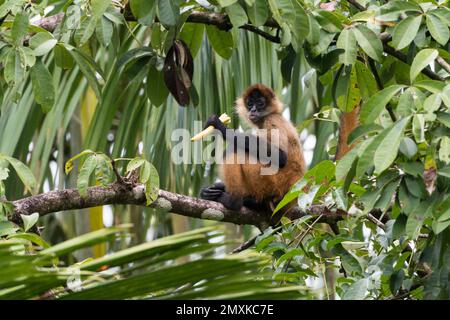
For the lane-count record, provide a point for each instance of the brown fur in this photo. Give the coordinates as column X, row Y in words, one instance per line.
column 245, row 179
column 348, row 122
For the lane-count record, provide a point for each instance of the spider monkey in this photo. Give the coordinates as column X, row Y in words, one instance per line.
column 243, row 184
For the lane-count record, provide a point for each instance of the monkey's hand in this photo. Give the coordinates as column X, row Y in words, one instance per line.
column 213, row 193
column 214, row 122
column 217, row 193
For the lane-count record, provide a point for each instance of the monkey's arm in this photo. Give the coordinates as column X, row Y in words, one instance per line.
column 246, row 142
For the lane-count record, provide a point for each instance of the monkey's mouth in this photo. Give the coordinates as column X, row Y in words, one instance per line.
column 253, row 117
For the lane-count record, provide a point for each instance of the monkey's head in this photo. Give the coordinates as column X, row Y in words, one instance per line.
column 256, row 103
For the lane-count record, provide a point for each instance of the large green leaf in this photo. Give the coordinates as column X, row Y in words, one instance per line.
column 405, row 32
column 388, row 148
column 237, row 14
column 156, row 88
column 24, row 173
column 42, row 43
column 347, row 41
column 43, row 88
column 369, row 42
column 221, row 41
column 372, row 108
column 438, row 29
column 85, row 173
column 144, row 10
column 421, row 61
column 19, row 27
column 168, row 12
column 192, row 35
column 258, row 13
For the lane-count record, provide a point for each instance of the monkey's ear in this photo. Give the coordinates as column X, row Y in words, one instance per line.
column 270, row 93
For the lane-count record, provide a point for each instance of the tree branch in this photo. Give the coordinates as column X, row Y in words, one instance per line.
column 221, row 21
column 117, row 193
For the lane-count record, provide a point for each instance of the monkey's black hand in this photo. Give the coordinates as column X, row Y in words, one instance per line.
column 214, row 121
column 214, row 192
column 217, row 193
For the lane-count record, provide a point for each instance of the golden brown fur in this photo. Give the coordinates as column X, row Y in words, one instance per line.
column 348, row 122
column 246, row 179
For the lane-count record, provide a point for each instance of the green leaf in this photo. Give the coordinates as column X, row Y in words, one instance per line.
column 299, row 24
column 340, row 199
column 135, row 163
column 237, row 14
column 345, row 163
column 258, row 13
column 408, row 147
column 221, row 41
column 13, row 70
column 87, row 69
column 192, row 35
column 144, row 11
column 99, row 7
column 104, row 31
column 405, row 32
column 432, row 103
column 375, row 105
column 291, row 194
column 369, row 42
column 29, row 220
column 168, row 13
column 63, row 59
column 347, row 90
column 329, row 21
column 431, row 85
column 24, row 173
column 42, row 43
column 347, row 41
column 388, row 148
column 305, row 200
column 32, row 237
column 366, row 81
column 444, row 118
column 157, row 91
column 421, row 61
column 7, row 228
column 416, row 218
column 226, row 3
column 19, row 28
column 43, row 88
column 445, row 95
column 357, row 291
column 405, row 105
column 418, row 127
column 444, row 150
column 150, row 178
column 85, row 173
column 391, row 10
column 85, row 240
column 27, row 56
column 438, row 29
column 69, row 164
column 360, row 131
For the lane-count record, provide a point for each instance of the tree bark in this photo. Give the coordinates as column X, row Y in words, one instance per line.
column 117, row 193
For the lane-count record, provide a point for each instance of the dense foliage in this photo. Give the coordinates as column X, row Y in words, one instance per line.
column 118, row 77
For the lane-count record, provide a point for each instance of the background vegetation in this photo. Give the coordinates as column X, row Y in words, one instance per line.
column 82, row 75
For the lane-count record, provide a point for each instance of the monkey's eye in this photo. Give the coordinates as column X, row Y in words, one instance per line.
column 249, row 103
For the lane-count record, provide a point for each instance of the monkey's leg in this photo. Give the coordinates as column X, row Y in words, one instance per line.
column 217, row 193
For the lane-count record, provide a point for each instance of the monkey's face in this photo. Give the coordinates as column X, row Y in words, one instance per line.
column 256, row 105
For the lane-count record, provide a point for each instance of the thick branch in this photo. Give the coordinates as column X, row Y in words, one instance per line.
column 116, row 193
column 221, row 21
